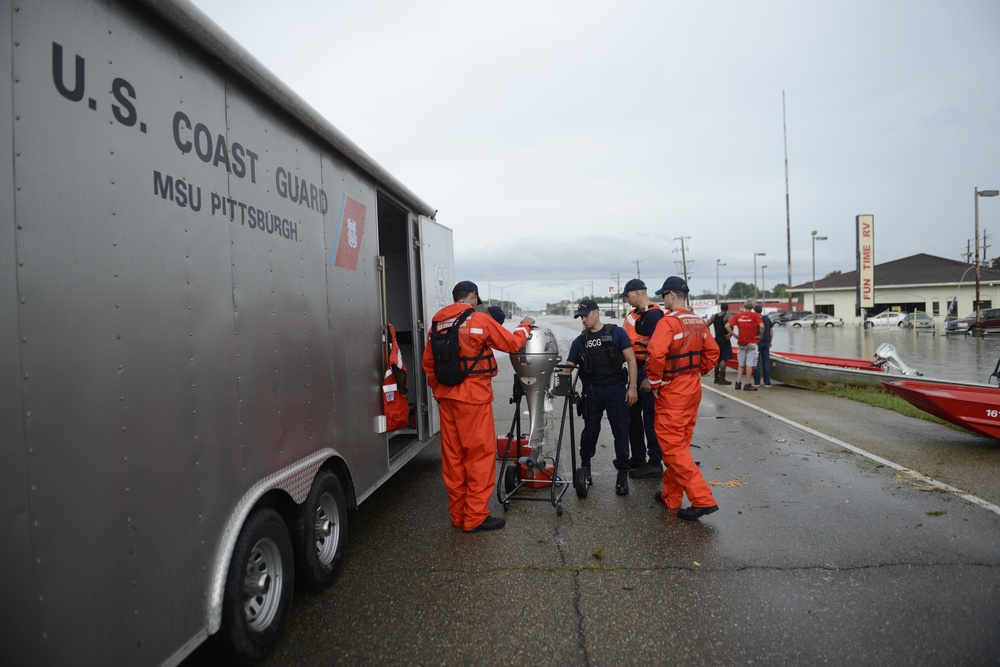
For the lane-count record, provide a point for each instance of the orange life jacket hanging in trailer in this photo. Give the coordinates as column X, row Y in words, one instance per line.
column 394, row 403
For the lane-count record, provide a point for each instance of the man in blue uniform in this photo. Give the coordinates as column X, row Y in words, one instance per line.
column 606, row 361
column 763, row 351
column 639, row 325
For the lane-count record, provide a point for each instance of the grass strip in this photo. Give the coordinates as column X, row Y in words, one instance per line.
column 883, row 399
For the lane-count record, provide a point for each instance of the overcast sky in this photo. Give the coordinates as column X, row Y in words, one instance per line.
column 575, row 142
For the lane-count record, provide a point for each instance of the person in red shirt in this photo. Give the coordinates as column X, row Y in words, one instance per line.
column 680, row 351
column 468, row 434
column 750, row 328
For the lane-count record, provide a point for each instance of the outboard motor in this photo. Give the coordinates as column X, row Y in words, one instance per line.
column 885, row 354
column 534, row 365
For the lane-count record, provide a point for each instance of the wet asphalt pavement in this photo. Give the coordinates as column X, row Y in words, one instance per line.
column 818, row 555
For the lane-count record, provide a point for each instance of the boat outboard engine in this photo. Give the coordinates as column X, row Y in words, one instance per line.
column 885, row 354
column 534, row 365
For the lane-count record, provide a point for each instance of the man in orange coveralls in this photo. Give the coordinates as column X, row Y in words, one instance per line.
column 468, row 434
column 680, row 351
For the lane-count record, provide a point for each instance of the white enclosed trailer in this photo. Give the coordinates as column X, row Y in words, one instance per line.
column 196, row 271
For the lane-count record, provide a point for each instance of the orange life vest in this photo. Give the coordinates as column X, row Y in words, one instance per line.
column 686, row 356
column 639, row 343
column 394, row 403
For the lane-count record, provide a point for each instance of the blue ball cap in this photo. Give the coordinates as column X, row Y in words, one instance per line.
column 585, row 307
column 673, row 284
column 496, row 312
column 631, row 286
column 466, row 286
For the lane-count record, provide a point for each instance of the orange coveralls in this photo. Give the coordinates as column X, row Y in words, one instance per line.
column 468, row 434
column 680, row 351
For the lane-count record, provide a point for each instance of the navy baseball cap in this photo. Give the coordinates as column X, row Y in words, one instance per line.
column 467, row 286
column 585, row 307
column 673, row 284
column 496, row 312
column 631, row 286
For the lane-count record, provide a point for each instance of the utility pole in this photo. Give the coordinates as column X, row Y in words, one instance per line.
column 637, row 274
column 788, row 206
column 684, row 265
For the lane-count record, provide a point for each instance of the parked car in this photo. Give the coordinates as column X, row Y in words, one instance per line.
column 821, row 320
column 917, row 321
column 888, row 318
column 787, row 316
column 989, row 322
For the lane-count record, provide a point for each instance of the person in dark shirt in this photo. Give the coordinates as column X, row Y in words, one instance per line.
column 606, row 361
column 717, row 322
column 763, row 366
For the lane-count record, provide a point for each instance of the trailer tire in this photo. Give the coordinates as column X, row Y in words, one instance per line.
column 259, row 586
column 320, row 532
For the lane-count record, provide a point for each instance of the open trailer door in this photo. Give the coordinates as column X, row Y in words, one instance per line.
column 437, row 277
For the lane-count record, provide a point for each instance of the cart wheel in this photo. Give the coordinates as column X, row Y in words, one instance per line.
column 559, row 510
column 506, row 506
column 511, row 478
column 580, row 482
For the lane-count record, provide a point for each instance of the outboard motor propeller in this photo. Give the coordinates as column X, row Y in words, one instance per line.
column 885, row 354
column 534, row 365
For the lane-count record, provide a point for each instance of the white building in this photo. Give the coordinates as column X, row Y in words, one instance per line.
column 917, row 283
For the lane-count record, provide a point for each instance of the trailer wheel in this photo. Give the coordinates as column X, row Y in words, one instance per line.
column 259, row 586
column 320, row 532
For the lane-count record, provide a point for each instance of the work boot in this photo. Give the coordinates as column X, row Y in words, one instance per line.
column 739, row 385
column 489, row 523
column 621, row 484
column 695, row 513
column 651, row 469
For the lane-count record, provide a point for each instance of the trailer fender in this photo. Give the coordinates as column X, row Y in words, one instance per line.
column 295, row 480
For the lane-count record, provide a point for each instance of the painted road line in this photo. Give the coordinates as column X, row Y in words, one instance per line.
column 975, row 500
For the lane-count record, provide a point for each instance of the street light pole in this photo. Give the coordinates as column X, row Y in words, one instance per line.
column 502, row 303
column 814, row 239
column 979, row 193
column 755, row 256
column 718, row 263
column 763, row 281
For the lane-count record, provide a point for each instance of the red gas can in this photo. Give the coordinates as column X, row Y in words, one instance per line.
column 516, row 451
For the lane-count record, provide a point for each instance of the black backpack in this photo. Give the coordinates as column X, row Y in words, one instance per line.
column 447, row 359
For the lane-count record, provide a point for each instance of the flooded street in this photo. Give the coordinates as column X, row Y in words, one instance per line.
column 932, row 353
